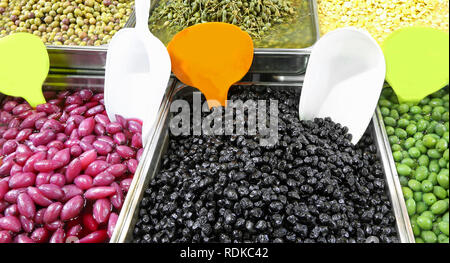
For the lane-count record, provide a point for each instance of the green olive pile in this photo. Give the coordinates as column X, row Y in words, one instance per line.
column 78, row 22
column 253, row 16
column 419, row 137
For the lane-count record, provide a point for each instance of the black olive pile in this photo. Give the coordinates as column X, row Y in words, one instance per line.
column 312, row 186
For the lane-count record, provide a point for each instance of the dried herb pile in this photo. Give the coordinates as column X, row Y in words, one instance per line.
column 253, row 16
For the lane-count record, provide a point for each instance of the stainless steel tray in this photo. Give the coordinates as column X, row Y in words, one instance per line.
column 91, row 59
column 130, row 22
column 77, row 60
column 278, row 60
column 156, row 147
column 95, row 83
column 82, row 58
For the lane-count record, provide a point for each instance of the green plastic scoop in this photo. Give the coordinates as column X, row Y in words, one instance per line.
column 417, row 62
column 24, row 65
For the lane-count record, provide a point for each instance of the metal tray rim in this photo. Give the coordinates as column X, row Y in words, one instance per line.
column 104, row 48
column 143, row 167
column 381, row 129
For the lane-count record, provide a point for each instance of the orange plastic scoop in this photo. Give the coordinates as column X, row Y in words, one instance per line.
column 211, row 57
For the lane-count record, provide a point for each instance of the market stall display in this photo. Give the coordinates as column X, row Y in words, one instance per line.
column 64, row 168
column 282, row 49
column 80, row 22
column 70, row 174
column 272, row 24
column 309, row 187
column 382, row 17
column 212, row 171
column 419, row 136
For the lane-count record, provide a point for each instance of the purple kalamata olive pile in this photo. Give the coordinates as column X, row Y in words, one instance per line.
column 64, row 168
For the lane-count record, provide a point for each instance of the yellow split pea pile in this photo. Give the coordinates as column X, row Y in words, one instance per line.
column 382, row 17
column 64, row 22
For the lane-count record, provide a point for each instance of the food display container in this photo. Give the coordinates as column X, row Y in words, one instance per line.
column 281, row 61
column 392, row 164
column 60, row 82
column 157, row 145
column 129, row 22
column 81, row 59
column 286, row 61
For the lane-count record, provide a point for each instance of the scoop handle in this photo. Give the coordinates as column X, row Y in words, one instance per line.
column 35, row 97
column 142, row 8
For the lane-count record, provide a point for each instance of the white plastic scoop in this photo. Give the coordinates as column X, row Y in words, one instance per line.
column 137, row 72
column 344, row 79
